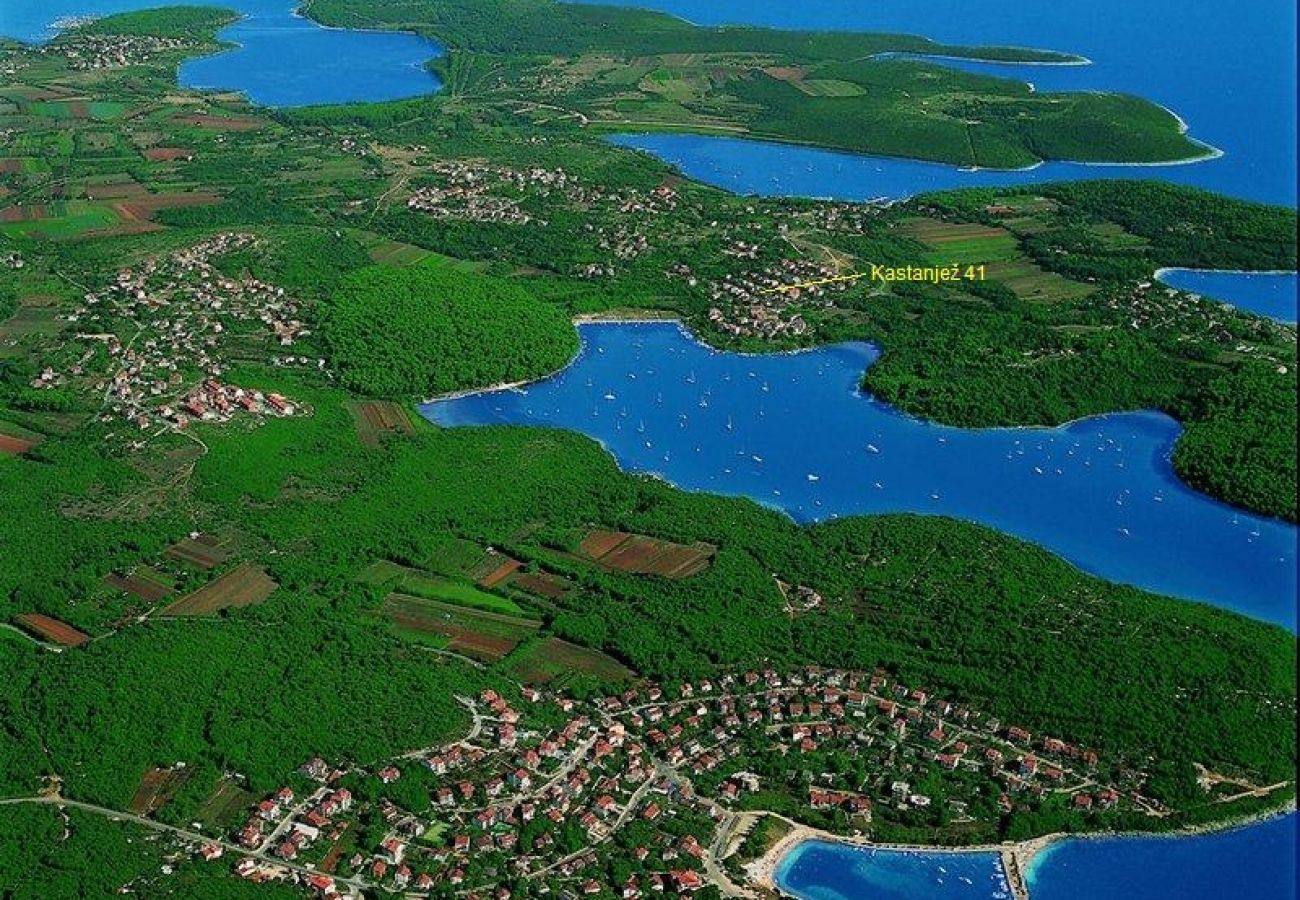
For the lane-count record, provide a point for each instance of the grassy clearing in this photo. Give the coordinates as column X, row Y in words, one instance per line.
column 481, row 635
column 828, row 87
column 552, row 659
column 973, row 243
column 430, row 586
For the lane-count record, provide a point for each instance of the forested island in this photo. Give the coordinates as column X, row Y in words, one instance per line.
column 215, row 319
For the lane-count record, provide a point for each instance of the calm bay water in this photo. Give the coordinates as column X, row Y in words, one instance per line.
column 793, row 432
column 1271, row 294
column 1253, row 863
column 282, row 59
column 822, row 870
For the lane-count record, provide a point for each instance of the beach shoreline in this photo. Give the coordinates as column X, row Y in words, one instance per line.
column 1017, row 858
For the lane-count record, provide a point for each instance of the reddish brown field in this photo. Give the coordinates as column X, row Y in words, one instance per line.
column 140, row 586
column 15, row 445
column 36, row 212
column 641, row 555
column 481, row 635
column 598, row 543
column 503, row 571
column 167, row 154
column 542, row 584
column 786, row 73
column 52, row 630
column 245, row 585
column 121, row 190
column 136, row 215
column 204, row 552
column 678, row 561
column 156, row 788
column 10, row 166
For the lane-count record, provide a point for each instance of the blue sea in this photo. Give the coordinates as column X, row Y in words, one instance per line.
column 1271, row 294
column 1228, row 70
column 794, row 432
column 823, row 870
column 1253, row 863
column 282, row 59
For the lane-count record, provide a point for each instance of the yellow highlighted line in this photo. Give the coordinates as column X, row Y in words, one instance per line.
column 814, row 283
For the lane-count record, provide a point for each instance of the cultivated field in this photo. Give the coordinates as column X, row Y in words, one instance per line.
column 997, row 248
column 156, row 788
column 376, row 419
column 245, row 585
column 52, row 630
column 144, row 582
column 550, row 659
column 435, row 587
column 640, row 555
column 227, row 804
column 204, row 551
column 481, row 635
column 542, row 584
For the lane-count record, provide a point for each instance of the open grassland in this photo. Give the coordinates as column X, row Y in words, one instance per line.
column 227, row 804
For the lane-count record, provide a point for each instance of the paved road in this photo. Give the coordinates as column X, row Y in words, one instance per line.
column 357, row 883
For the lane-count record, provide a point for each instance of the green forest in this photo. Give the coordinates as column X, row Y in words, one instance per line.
column 430, row 330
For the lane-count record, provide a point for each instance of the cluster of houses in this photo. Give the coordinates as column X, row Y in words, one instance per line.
column 475, row 191
column 114, row 51
column 767, row 303
column 181, row 312
column 520, row 802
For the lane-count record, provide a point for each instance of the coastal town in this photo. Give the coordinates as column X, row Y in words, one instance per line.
column 656, row 790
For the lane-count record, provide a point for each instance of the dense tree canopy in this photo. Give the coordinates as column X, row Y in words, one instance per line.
column 432, row 329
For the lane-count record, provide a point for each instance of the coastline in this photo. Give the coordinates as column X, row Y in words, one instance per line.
column 1018, row 859
column 428, row 409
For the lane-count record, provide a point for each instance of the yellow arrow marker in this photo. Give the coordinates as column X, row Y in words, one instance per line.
column 803, row 284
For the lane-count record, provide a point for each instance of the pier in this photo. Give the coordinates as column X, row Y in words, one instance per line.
column 1014, row 867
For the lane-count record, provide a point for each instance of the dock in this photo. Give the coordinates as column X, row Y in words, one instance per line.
column 1015, row 872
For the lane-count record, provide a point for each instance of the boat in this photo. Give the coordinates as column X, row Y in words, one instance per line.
column 872, row 448
column 812, row 477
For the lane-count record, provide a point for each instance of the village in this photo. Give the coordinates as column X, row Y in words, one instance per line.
column 651, row 791
column 768, row 302
column 156, row 340
column 87, row 51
